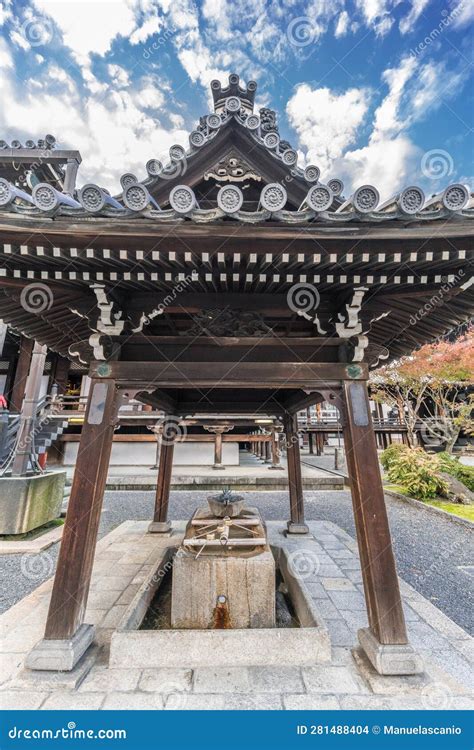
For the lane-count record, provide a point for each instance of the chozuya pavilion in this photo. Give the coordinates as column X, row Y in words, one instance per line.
column 228, row 281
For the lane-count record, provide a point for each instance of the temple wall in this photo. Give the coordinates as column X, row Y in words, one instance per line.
column 143, row 454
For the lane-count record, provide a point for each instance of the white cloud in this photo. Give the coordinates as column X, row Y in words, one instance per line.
column 462, row 13
column 6, row 60
column 19, row 39
column 119, row 75
column 84, row 123
column 89, row 26
column 326, row 122
column 342, row 24
column 386, row 120
column 5, row 12
column 387, row 163
column 150, row 26
column 376, row 14
column 417, row 8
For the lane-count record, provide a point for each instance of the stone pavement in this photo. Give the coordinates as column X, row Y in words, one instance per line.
column 251, row 473
column 328, row 565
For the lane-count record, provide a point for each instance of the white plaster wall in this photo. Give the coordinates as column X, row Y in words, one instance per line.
column 143, row 454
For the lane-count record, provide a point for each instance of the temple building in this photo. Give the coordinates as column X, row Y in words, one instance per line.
column 230, row 281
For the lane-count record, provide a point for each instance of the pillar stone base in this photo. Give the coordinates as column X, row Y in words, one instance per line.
column 296, row 528
column 160, row 527
column 277, row 468
column 219, row 467
column 393, row 659
column 60, row 655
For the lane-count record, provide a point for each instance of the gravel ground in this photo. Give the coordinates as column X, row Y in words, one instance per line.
column 434, row 556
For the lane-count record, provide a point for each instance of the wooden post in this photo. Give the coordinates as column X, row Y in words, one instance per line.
column 218, row 450
column 379, row 573
column 267, row 451
column 275, row 450
column 59, row 374
column 25, row 445
column 296, row 524
column 21, row 373
column 160, row 523
column 311, row 442
column 65, row 621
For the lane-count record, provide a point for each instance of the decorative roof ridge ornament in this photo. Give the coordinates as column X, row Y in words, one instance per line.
column 319, row 198
column 47, row 198
column 453, row 198
column 364, row 200
column 410, row 201
column 221, row 95
column 48, row 143
column 94, row 199
column 232, row 168
column 10, row 194
column 137, row 198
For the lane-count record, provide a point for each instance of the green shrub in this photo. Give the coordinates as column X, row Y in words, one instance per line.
column 418, row 472
column 450, row 465
column 392, row 452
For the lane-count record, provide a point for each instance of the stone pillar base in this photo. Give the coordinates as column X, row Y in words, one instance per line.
column 219, row 467
column 279, row 468
column 393, row 659
column 60, row 655
column 160, row 527
column 297, row 528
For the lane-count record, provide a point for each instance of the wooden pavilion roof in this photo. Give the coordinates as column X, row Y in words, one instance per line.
column 160, row 255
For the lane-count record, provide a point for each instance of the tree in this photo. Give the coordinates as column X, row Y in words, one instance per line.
column 433, row 387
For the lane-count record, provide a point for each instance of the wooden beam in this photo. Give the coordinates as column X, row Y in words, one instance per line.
column 73, row 573
column 379, row 573
column 228, row 375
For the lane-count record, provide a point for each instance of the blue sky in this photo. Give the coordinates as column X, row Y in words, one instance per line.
column 373, row 91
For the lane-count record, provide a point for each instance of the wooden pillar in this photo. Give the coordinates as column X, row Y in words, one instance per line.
column 319, row 443
column 160, row 523
column 218, row 450
column 25, row 444
column 73, row 574
column 379, row 573
column 296, row 524
column 267, row 451
column 311, row 442
column 275, row 450
column 21, row 373
column 59, row 374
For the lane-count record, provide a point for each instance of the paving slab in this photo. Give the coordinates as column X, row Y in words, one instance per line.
column 338, row 597
column 332, row 679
